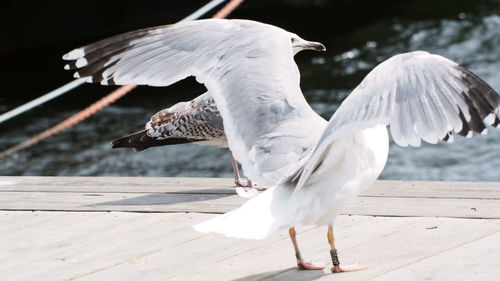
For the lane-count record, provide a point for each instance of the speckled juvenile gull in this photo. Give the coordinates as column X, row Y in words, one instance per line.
column 196, row 121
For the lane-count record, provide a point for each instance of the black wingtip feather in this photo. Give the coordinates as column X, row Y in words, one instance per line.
column 481, row 101
column 447, row 137
column 465, row 125
column 99, row 54
column 475, row 82
column 475, row 111
column 96, row 70
column 497, row 122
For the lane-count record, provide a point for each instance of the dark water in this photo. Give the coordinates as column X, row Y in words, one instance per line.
column 472, row 40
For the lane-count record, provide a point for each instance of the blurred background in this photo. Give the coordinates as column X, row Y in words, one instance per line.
column 358, row 34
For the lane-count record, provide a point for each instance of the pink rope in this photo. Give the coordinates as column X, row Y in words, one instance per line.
column 71, row 121
column 226, row 10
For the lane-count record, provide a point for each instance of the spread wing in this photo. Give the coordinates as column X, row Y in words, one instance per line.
column 156, row 56
column 248, row 69
column 421, row 96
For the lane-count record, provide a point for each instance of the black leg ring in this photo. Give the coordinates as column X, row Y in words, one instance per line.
column 297, row 255
column 335, row 258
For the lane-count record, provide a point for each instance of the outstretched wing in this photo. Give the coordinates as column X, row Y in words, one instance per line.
column 421, row 96
column 156, row 56
column 247, row 67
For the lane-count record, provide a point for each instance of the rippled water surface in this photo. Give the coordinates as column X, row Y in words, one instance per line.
column 327, row 78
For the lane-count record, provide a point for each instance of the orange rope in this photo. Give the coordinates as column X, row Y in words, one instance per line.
column 71, row 121
column 226, row 10
column 100, row 104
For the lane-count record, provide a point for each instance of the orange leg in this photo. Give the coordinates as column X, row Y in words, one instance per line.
column 300, row 262
column 335, row 259
column 237, row 180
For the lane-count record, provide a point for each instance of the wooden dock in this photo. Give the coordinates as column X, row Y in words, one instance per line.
column 88, row 228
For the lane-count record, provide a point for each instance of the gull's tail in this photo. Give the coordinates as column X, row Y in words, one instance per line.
column 256, row 219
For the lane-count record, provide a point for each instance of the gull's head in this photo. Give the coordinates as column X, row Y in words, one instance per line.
column 299, row 44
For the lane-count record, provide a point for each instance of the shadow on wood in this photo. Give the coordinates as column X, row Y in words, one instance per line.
column 164, row 199
column 292, row 274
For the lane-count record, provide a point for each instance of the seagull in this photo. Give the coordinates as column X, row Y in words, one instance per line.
column 196, row 121
column 246, row 66
column 421, row 96
column 319, row 166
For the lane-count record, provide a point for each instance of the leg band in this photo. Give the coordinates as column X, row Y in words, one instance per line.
column 335, row 258
column 297, row 255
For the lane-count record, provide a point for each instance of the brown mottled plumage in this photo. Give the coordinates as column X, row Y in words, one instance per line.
column 196, row 121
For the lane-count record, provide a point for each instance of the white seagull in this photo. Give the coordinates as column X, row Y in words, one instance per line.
column 249, row 70
column 420, row 95
column 196, row 121
column 246, row 66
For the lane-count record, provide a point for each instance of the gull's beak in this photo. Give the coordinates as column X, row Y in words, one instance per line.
column 299, row 44
column 315, row 46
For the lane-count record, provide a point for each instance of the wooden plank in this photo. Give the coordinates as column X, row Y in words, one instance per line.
column 214, row 257
column 139, row 246
column 382, row 188
column 419, row 233
column 105, row 202
column 406, row 246
column 117, row 184
column 30, row 227
column 93, row 244
column 50, row 238
column 277, row 258
column 473, row 256
column 146, row 239
column 434, row 189
column 221, row 203
column 383, row 244
column 424, row 207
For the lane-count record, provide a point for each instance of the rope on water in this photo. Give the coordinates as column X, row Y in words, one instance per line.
column 105, row 101
column 80, row 116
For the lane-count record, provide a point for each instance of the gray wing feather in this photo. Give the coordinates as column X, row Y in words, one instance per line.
column 421, row 96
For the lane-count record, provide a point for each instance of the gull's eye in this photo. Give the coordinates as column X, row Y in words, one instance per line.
column 293, row 40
